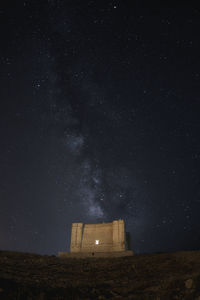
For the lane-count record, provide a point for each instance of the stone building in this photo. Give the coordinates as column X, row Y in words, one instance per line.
column 103, row 239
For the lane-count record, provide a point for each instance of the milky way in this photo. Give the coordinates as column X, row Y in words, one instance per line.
column 99, row 121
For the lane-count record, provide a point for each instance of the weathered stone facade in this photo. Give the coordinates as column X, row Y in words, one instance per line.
column 103, row 239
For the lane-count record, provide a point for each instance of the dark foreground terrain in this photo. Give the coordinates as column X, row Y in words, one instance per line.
column 151, row 276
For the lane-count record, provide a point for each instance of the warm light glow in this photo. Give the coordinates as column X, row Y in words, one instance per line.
column 97, row 242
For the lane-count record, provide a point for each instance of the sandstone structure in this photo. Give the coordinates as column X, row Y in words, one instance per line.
column 99, row 240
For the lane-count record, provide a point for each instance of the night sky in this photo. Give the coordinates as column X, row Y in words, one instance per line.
column 99, row 120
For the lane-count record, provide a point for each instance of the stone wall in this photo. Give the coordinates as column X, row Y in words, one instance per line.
column 97, row 237
column 76, row 237
column 103, row 237
column 118, row 235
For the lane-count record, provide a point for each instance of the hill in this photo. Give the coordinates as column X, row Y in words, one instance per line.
column 160, row 276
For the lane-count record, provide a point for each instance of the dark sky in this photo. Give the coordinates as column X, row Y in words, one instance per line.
column 99, row 120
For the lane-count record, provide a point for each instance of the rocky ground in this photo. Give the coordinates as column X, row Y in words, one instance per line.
column 150, row 276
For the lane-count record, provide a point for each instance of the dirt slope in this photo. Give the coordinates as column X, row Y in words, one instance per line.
column 151, row 276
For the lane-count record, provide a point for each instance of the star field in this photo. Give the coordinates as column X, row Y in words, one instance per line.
column 99, row 120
